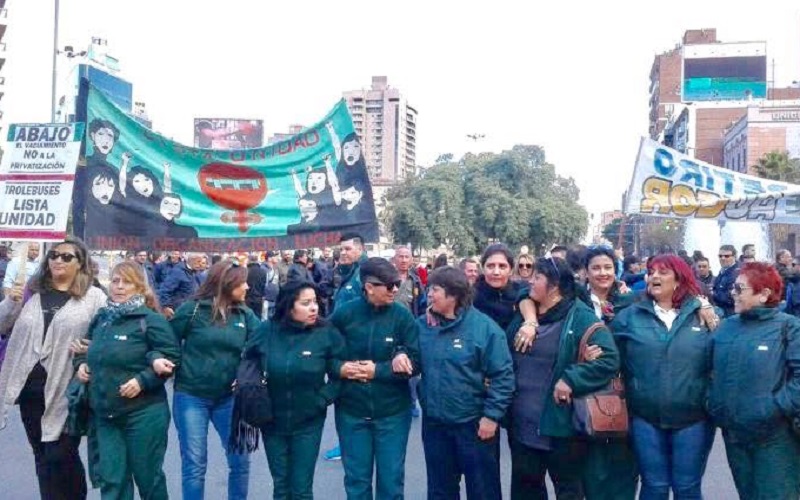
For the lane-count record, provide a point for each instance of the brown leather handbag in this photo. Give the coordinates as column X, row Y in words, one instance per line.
column 602, row 414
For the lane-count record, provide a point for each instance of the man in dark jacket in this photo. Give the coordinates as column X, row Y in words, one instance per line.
column 723, row 284
column 162, row 270
column 181, row 283
column 705, row 278
column 256, row 284
column 299, row 271
column 148, row 269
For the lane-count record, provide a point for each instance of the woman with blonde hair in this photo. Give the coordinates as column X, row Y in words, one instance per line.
column 212, row 329
column 131, row 352
column 523, row 272
column 38, row 364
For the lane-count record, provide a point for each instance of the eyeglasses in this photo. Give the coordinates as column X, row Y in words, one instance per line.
column 389, row 286
column 65, row 257
column 737, row 289
column 726, row 256
column 526, row 266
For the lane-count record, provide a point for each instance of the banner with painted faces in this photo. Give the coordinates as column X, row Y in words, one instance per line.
column 142, row 190
column 668, row 183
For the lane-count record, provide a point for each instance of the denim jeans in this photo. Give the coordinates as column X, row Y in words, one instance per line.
column 671, row 459
column 192, row 415
column 374, row 443
column 453, row 450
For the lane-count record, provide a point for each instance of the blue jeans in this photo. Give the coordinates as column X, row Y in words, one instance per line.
column 671, row 458
column 453, row 450
column 191, row 416
column 374, row 443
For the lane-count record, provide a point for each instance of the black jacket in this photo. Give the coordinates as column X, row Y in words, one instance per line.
column 256, row 282
column 723, row 285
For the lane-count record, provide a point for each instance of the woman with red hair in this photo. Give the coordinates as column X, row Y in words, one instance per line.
column 755, row 392
column 666, row 361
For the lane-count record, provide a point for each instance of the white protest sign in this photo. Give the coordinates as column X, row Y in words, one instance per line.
column 36, row 179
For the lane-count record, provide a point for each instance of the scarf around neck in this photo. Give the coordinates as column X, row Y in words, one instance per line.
column 114, row 310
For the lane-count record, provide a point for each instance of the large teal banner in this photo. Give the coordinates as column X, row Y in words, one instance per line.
column 142, row 190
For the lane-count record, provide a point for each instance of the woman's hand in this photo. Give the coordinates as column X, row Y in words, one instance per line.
column 592, row 352
column 366, row 370
column 130, row 389
column 79, row 346
column 623, row 288
column 487, row 429
column 163, row 366
column 562, row 393
column 349, row 370
column 524, row 339
column 16, row 292
column 401, row 364
column 168, row 312
column 83, row 373
column 708, row 318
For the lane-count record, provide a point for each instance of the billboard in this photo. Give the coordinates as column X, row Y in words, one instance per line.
column 725, row 72
column 228, row 133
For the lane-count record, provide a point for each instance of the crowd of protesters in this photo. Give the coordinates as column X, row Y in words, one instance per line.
column 489, row 343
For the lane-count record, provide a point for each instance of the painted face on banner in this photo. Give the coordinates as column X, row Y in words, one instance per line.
column 308, row 210
column 316, row 182
column 351, row 151
column 143, row 185
column 352, row 197
column 171, row 207
column 103, row 189
column 103, row 140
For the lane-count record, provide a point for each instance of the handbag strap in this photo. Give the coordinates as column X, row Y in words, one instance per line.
column 587, row 336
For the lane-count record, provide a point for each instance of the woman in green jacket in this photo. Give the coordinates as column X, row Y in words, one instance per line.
column 131, row 353
column 666, row 360
column 755, row 391
column 548, row 376
column 212, row 329
column 298, row 350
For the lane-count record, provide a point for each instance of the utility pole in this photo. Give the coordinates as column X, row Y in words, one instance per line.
column 55, row 62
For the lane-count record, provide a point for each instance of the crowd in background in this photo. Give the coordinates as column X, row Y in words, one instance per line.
column 501, row 340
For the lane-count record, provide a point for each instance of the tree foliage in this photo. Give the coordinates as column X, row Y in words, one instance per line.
column 777, row 166
column 515, row 197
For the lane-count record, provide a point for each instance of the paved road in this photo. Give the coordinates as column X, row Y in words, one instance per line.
column 18, row 481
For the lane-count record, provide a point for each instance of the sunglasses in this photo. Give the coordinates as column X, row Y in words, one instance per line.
column 65, row 257
column 526, row 266
column 390, row 286
column 738, row 289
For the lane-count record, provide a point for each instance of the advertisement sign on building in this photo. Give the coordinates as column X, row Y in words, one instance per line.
column 228, row 133
column 725, row 72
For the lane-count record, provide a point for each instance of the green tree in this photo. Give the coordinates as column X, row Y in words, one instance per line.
column 777, row 166
column 515, row 197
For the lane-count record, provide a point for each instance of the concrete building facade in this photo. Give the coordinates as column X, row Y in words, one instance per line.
column 387, row 129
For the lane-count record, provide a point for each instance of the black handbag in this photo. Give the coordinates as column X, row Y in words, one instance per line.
column 252, row 405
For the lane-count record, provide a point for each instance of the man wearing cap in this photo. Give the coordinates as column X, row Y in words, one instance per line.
column 373, row 412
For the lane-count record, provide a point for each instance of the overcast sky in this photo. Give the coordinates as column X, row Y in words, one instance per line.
column 571, row 77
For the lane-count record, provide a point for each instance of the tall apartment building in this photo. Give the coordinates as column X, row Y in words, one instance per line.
column 3, row 27
column 387, row 128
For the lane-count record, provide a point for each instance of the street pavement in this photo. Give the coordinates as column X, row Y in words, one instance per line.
column 18, row 479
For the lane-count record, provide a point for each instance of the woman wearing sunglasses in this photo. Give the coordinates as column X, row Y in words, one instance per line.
column 38, row 363
column 524, row 269
column 132, row 351
column 755, row 391
column 373, row 412
column 212, row 329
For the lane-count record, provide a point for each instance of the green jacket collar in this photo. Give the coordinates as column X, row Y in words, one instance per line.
column 759, row 314
column 689, row 307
